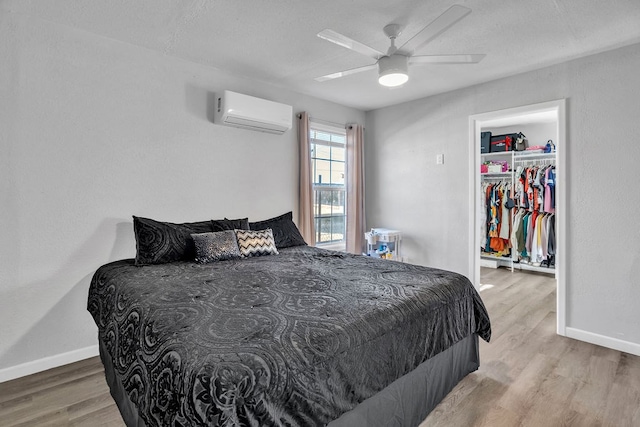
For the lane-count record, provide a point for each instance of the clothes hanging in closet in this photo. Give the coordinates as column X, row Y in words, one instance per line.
column 529, row 230
column 496, row 218
column 535, row 188
column 534, row 238
column 533, row 231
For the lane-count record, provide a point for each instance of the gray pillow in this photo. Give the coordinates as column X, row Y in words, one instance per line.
column 230, row 224
column 285, row 232
column 161, row 242
column 216, row 246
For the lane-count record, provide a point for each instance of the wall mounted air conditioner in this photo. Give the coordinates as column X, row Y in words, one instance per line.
column 248, row 112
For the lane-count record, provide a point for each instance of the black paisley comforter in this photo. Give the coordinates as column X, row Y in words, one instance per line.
column 294, row 339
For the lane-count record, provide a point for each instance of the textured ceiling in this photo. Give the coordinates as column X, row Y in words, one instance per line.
column 275, row 40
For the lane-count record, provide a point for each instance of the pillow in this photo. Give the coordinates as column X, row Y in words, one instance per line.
column 230, row 224
column 161, row 242
column 216, row 246
column 285, row 232
column 256, row 243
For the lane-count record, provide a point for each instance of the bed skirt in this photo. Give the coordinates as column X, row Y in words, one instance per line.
column 405, row 402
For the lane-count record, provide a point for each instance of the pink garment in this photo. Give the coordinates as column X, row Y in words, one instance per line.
column 547, row 193
column 530, row 227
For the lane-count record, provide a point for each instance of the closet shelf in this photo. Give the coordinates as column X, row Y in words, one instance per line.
column 519, row 155
column 524, row 156
column 497, row 173
column 497, row 154
column 508, row 262
column 495, row 257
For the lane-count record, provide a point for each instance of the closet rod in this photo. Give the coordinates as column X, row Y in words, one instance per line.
column 534, row 155
column 535, row 162
column 525, row 159
column 506, row 177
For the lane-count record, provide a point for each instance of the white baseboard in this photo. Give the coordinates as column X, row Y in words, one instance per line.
column 45, row 363
column 604, row 341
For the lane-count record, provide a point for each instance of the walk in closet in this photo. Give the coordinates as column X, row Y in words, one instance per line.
column 523, row 190
column 516, row 178
column 517, row 205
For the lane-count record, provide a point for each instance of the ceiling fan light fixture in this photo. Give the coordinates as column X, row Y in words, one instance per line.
column 393, row 70
column 393, row 79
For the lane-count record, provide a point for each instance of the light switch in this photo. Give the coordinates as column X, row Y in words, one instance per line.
column 440, row 159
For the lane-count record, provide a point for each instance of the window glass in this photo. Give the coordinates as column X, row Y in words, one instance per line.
column 322, row 174
column 323, row 152
column 338, row 154
column 328, row 157
column 337, row 173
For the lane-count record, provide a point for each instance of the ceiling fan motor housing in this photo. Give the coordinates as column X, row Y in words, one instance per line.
column 393, row 70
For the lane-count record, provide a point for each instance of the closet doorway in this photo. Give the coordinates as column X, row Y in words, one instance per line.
column 546, row 118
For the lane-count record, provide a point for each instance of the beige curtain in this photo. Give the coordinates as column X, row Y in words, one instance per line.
column 305, row 207
column 355, row 189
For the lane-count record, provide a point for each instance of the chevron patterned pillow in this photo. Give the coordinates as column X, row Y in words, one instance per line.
column 256, row 243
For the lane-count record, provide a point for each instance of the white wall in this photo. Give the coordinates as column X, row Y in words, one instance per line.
column 429, row 202
column 93, row 131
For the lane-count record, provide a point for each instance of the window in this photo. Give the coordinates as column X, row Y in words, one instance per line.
column 328, row 160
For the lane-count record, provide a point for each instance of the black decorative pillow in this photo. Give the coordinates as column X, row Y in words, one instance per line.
column 230, row 224
column 256, row 243
column 285, row 232
column 161, row 242
column 216, row 246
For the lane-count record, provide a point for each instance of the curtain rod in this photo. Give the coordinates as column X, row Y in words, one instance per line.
column 326, row 122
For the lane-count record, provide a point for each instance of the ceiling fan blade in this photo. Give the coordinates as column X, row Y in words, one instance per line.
column 345, row 41
column 345, row 73
column 435, row 28
column 446, row 59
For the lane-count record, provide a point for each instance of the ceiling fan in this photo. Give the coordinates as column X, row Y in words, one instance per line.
column 393, row 66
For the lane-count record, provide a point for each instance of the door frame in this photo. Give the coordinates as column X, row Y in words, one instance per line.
column 476, row 123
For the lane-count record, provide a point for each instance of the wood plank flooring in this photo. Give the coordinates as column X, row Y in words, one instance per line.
column 528, row 375
column 71, row 395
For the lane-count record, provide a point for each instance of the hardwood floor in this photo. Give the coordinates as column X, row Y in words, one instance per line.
column 71, row 395
column 528, row 375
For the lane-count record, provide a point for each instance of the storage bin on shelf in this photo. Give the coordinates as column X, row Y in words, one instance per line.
column 384, row 243
column 494, row 166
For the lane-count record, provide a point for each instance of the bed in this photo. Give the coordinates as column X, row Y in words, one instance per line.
column 304, row 337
